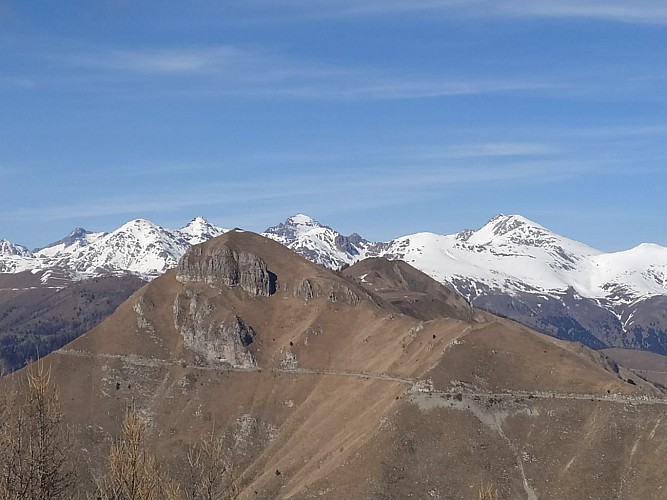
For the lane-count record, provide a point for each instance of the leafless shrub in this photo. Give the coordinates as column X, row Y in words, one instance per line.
column 132, row 473
column 210, row 471
column 35, row 443
column 488, row 492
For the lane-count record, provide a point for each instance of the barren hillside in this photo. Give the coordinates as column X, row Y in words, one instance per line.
column 324, row 388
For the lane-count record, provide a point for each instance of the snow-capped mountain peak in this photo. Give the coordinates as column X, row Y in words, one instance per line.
column 8, row 248
column 199, row 230
column 294, row 227
column 73, row 242
column 503, row 224
column 514, row 235
column 15, row 258
column 505, row 228
column 302, row 220
column 138, row 246
column 317, row 242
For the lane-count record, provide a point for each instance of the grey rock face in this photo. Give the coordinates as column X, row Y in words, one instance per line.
column 308, row 290
column 222, row 264
column 304, row 290
column 344, row 294
column 215, row 343
column 349, row 244
column 143, row 322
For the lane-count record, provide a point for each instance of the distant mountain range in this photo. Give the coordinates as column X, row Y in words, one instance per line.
column 138, row 247
column 511, row 266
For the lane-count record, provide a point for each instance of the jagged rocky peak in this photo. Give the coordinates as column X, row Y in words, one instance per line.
column 220, row 263
column 465, row 234
column 199, row 223
column 294, row 226
column 349, row 244
column 9, row 248
column 504, row 224
column 77, row 235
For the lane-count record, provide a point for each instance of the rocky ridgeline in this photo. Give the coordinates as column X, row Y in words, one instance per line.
column 221, row 264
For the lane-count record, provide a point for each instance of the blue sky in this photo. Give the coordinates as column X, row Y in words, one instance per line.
column 382, row 117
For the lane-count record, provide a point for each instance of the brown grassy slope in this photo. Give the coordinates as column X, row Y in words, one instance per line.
column 352, row 399
column 648, row 365
column 409, row 290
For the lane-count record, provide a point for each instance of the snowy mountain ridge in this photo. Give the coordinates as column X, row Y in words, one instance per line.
column 516, row 268
column 319, row 243
column 508, row 254
column 14, row 258
column 510, row 266
column 138, row 247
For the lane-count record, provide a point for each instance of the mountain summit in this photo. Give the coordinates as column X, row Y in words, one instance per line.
column 15, row 258
column 318, row 243
column 7, row 248
column 199, row 230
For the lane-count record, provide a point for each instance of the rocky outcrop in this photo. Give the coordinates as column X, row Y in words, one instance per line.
column 349, row 244
column 221, row 264
column 142, row 321
column 214, row 342
column 304, row 290
column 308, row 290
column 344, row 294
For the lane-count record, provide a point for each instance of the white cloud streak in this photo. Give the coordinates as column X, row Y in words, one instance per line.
column 377, row 187
column 234, row 71
column 166, row 61
column 636, row 11
column 489, row 150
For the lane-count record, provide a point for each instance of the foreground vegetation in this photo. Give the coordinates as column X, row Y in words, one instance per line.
column 37, row 462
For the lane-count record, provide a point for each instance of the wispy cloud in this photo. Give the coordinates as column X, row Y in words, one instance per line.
column 376, row 87
column 489, row 150
column 247, row 64
column 637, row 11
column 239, row 71
column 625, row 131
column 376, row 186
column 167, row 61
